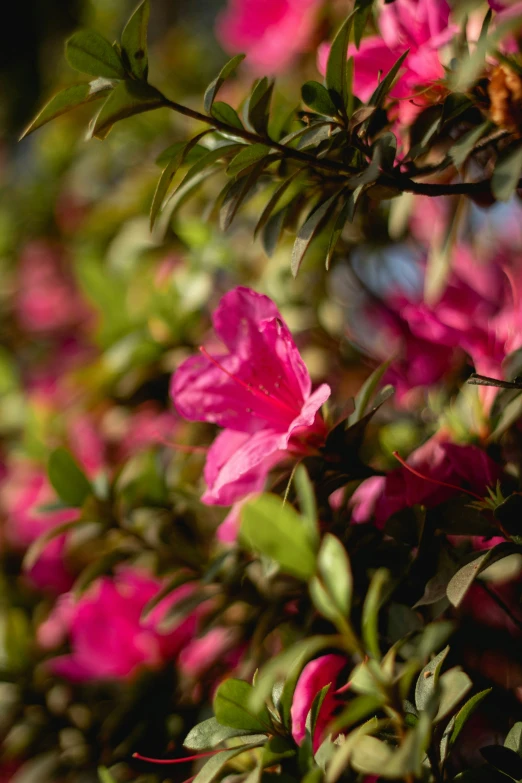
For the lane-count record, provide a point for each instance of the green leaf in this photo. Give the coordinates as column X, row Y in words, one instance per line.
column 232, row 707
column 315, row 95
column 68, row 99
column 457, row 723
column 370, row 613
column 454, row 685
column 215, row 765
column 385, row 86
column 274, row 200
column 513, row 740
column 335, row 571
column 455, row 104
column 126, row 100
column 356, row 710
column 210, row 733
column 336, row 67
column 258, row 106
column 212, row 156
column 68, row 479
column 428, row 680
column 273, row 229
column 460, row 583
column 170, row 153
column 168, row 173
column 225, row 113
column 89, row 52
column 247, row 157
column 38, row 545
column 367, row 391
column 504, row 760
column 275, row 529
column 363, row 9
column 313, row 223
column 306, row 499
column 212, row 89
column 507, row 173
column 134, row 41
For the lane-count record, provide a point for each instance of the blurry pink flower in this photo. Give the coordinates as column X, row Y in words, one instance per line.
column 422, row 26
column 108, row 637
column 259, row 390
column 146, row 427
column 86, row 443
column 200, row 654
column 271, row 32
column 46, row 300
column 320, row 672
column 465, row 467
column 22, row 494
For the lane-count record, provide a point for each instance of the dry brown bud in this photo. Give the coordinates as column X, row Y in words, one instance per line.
column 505, row 94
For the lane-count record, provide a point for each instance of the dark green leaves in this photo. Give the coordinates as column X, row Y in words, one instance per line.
column 89, row 52
column 246, row 158
column 68, row 479
column 210, row 733
column 270, row 527
column 134, row 41
column 225, row 113
column 258, row 106
column 336, row 67
column 126, row 100
column 232, row 707
column 215, row 85
column 460, row 583
column 69, row 99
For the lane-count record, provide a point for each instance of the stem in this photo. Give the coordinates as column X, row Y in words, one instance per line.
column 394, row 180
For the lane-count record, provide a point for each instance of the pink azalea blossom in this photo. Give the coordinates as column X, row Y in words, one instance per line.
column 271, row 32
column 218, row 645
column 258, row 389
column 465, row 467
column 46, row 300
column 320, row 672
column 108, row 637
column 23, row 493
column 422, row 26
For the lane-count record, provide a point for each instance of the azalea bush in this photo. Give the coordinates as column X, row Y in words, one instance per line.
column 260, row 399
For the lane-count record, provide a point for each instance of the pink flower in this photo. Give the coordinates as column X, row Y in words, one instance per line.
column 108, row 637
column 23, row 494
column 258, row 389
column 47, row 300
column 271, row 32
column 320, row 672
column 200, row 654
column 464, row 467
column 421, row 26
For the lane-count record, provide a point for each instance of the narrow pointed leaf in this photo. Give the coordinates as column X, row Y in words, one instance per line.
column 258, row 107
column 385, row 86
column 67, row 478
column 134, row 41
column 318, row 98
column 274, row 200
column 212, row 89
column 309, row 229
column 336, row 67
column 68, row 99
column 508, row 171
column 237, row 194
column 248, row 156
column 225, row 113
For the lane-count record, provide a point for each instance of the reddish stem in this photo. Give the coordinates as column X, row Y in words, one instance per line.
column 177, row 761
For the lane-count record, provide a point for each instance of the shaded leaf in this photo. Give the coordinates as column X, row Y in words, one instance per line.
column 274, row 200
column 457, row 723
column 336, row 573
column 238, row 192
column 214, row 766
column 465, row 576
column 454, row 685
column 89, row 52
column 309, row 229
column 336, row 66
column 428, row 680
column 370, row 613
column 258, row 106
column 504, row 759
column 134, row 41
column 315, row 95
